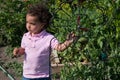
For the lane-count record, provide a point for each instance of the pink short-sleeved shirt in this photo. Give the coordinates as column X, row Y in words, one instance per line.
column 37, row 54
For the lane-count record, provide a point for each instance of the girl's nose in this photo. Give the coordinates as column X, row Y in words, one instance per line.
column 28, row 26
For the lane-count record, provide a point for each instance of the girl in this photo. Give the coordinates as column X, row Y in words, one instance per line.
column 37, row 44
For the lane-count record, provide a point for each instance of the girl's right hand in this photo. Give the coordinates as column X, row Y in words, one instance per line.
column 18, row 51
column 15, row 51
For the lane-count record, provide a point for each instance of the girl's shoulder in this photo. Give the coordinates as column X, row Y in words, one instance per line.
column 49, row 35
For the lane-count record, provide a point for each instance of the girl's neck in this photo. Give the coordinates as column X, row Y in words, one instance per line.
column 32, row 34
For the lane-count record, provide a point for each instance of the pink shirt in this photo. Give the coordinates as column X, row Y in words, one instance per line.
column 37, row 54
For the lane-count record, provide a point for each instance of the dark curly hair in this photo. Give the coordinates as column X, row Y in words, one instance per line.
column 42, row 12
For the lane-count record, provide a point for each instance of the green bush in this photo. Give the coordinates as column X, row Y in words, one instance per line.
column 12, row 21
column 102, row 48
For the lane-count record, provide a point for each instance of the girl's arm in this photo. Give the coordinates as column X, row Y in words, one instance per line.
column 62, row 46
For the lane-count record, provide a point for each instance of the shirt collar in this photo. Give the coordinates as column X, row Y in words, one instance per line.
column 41, row 34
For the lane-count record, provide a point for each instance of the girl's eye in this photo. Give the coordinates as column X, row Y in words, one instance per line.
column 32, row 23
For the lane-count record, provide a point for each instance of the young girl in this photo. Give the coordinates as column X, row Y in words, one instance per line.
column 37, row 44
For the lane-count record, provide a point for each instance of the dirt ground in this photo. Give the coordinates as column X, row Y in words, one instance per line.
column 2, row 75
column 4, row 59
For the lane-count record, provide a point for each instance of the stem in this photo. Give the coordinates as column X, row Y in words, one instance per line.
column 11, row 78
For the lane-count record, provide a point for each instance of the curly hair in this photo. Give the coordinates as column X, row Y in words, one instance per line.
column 42, row 12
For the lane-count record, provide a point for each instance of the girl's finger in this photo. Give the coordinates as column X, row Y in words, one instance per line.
column 15, row 51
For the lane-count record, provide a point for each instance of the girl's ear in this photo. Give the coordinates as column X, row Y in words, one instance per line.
column 43, row 25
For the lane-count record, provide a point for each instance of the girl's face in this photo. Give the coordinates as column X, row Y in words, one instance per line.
column 33, row 25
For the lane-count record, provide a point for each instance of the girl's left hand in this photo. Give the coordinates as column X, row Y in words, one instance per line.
column 71, row 37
